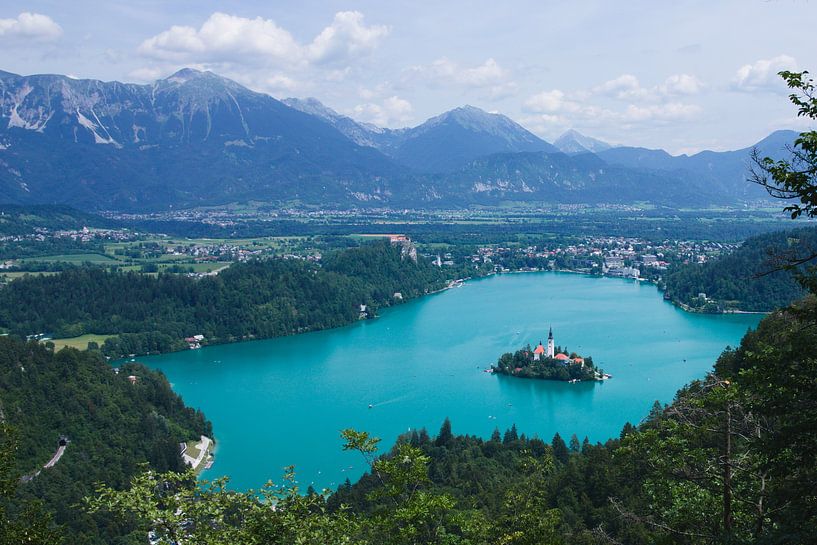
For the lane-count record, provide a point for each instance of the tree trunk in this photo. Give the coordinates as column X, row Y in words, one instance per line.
column 727, row 474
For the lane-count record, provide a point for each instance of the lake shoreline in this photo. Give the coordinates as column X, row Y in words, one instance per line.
column 417, row 364
column 456, row 283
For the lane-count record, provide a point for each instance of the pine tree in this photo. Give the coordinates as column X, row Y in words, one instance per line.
column 560, row 451
column 445, row 436
column 511, row 435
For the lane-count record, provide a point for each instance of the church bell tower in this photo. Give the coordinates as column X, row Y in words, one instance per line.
column 551, row 347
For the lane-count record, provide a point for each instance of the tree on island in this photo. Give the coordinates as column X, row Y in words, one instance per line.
column 523, row 364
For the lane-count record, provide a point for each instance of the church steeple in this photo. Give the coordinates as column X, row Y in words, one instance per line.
column 551, row 351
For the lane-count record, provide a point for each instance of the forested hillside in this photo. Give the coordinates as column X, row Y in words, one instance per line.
column 746, row 279
column 256, row 299
column 17, row 220
column 729, row 461
column 113, row 428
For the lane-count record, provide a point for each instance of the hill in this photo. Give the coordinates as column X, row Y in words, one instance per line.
column 18, row 220
column 255, row 299
column 742, row 280
column 583, row 178
column 725, row 172
column 113, row 428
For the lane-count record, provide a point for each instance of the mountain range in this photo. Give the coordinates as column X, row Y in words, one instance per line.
column 196, row 138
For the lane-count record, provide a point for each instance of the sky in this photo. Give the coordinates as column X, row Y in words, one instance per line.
column 684, row 76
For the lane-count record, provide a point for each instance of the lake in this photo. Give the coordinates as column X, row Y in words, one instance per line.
column 283, row 401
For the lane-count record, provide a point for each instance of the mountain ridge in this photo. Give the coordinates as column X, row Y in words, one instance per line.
column 572, row 141
column 196, row 138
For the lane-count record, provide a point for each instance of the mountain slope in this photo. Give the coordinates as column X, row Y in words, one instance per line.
column 572, row 141
column 196, row 139
column 743, row 280
column 450, row 140
column 113, row 427
column 725, row 171
column 193, row 138
column 363, row 134
column 441, row 144
column 561, row 178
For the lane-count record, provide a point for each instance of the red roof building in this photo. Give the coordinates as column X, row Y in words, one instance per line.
column 562, row 357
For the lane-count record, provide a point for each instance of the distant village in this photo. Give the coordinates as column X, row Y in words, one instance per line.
column 625, row 257
column 608, row 256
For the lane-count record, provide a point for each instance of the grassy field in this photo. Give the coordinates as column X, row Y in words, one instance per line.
column 192, row 450
column 71, row 258
column 80, row 342
column 18, row 274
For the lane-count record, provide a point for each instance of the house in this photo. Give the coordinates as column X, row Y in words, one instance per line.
column 133, row 379
column 538, row 352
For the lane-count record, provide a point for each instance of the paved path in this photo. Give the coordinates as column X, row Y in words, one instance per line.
column 203, row 445
column 51, row 463
column 56, row 458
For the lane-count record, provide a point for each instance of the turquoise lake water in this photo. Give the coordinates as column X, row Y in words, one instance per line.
column 283, row 401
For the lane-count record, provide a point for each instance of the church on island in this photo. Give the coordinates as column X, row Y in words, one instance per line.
column 540, row 350
column 548, row 362
column 550, row 352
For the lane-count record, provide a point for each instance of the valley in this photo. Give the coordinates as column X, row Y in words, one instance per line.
column 407, row 274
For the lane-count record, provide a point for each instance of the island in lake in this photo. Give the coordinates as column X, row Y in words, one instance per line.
column 549, row 363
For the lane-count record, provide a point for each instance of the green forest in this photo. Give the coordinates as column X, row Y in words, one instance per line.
column 251, row 300
column 113, row 428
column 752, row 278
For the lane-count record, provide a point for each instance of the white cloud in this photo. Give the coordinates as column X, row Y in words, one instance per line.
column 277, row 84
column 345, row 38
column 627, row 87
column 762, row 74
column 30, row 26
column 222, row 37
column 551, row 102
column 225, row 38
column 672, row 111
column 681, row 84
column 388, row 112
column 147, row 74
column 488, row 75
column 624, row 86
column 600, row 106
